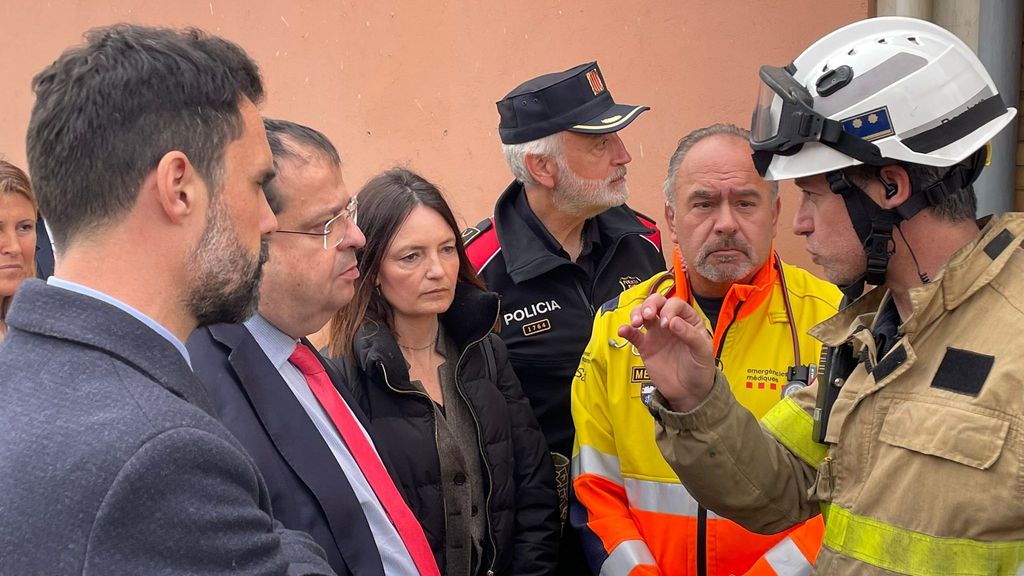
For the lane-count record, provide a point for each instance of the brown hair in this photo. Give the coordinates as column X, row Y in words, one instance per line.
column 13, row 180
column 384, row 204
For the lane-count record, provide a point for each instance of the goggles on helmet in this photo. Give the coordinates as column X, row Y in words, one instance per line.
column 784, row 120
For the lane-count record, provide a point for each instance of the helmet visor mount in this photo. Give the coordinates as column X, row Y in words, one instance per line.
column 784, row 120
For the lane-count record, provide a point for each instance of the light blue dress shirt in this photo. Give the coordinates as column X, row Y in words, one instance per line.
column 278, row 347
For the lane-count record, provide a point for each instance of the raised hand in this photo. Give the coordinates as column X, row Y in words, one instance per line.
column 676, row 348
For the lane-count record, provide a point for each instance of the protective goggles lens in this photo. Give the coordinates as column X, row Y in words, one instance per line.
column 784, row 118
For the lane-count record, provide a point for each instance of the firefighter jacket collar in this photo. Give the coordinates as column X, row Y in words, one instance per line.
column 530, row 250
column 967, row 271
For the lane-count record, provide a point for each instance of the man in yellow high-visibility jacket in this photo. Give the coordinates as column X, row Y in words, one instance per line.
column 914, row 449
column 634, row 515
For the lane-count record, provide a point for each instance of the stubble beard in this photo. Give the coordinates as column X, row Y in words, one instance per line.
column 721, row 269
column 224, row 276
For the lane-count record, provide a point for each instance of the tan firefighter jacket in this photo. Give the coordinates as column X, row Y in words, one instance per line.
column 923, row 472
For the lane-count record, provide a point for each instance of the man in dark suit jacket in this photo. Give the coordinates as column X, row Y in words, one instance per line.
column 315, row 483
column 147, row 155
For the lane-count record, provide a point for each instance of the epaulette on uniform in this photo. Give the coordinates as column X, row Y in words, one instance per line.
column 655, row 234
column 470, row 234
column 481, row 242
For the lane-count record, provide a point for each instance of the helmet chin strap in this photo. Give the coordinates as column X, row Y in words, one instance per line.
column 874, row 224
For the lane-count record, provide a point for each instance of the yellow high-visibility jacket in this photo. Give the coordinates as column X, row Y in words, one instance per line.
column 922, row 471
column 634, row 515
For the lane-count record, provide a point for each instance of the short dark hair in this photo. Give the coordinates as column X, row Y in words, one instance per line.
column 108, row 110
column 384, row 204
column 288, row 141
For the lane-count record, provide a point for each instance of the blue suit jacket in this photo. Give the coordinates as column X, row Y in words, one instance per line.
column 308, row 490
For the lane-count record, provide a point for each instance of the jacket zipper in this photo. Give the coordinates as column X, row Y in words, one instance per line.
column 597, row 274
column 608, row 256
column 702, row 512
column 436, row 439
column 480, row 445
column 585, row 298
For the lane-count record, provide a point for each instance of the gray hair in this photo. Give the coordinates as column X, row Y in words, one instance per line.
column 515, row 155
column 686, row 143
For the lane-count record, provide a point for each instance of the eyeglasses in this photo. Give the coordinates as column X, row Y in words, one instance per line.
column 336, row 228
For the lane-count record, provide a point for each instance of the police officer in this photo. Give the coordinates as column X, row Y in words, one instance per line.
column 912, row 450
column 561, row 241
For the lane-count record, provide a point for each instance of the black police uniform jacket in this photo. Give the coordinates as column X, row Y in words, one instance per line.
column 519, row 484
column 548, row 301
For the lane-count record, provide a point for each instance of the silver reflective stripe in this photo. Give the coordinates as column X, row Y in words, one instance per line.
column 625, row 557
column 866, row 83
column 787, row 560
column 591, row 461
column 661, row 497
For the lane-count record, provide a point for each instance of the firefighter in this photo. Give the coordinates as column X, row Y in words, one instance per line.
column 910, row 444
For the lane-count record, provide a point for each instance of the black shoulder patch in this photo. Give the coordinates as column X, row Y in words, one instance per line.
column 996, row 246
column 610, row 305
column 470, row 234
column 963, row 371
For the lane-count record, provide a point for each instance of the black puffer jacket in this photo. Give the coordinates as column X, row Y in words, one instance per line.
column 519, row 483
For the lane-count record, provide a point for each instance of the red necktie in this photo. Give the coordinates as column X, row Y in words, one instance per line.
column 408, row 527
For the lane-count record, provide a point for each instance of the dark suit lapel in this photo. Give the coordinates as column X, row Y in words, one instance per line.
column 300, row 444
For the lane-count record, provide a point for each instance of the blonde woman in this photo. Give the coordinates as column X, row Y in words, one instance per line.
column 17, row 235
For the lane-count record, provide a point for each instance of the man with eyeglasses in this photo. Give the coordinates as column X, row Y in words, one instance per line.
column 285, row 403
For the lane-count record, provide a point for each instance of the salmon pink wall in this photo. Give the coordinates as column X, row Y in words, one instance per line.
column 414, row 83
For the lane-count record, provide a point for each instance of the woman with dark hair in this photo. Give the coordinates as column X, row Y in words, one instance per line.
column 446, row 410
column 17, row 235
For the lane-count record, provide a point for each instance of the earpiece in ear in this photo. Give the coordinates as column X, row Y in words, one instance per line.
column 890, row 188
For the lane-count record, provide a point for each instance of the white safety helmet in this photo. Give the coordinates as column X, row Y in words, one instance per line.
column 875, row 92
